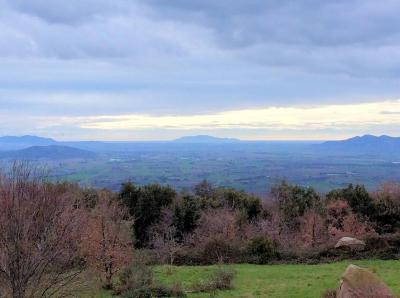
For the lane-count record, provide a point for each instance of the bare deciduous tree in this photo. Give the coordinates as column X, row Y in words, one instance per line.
column 39, row 228
column 107, row 242
column 216, row 232
column 164, row 239
column 313, row 229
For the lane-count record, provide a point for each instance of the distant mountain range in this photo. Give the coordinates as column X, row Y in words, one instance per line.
column 21, row 142
column 205, row 139
column 27, row 139
column 35, row 148
column 51, row 152
column 367, row 144
column 26, row 147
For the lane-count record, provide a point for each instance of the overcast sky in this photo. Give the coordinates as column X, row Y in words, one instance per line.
column 157, row 69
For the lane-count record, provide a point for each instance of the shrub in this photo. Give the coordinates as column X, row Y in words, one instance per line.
column 293, row 200
column 387, row 204
column 357, row 197
column 221, row 279
column 135, row 282
column 240, row 201
column 186, row 215
column 138, row 282
column 342, row 221
column 261, row 250
column 217, row 237
column 145, row 205
column 161, row 290
column 383, row 246
column 220, row 251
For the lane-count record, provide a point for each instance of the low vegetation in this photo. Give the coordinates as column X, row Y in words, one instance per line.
column 221, row 279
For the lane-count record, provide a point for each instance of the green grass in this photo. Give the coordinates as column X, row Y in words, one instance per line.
column 276, row 281
column 281, row 280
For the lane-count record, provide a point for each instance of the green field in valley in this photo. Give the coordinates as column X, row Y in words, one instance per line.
column 279, row 281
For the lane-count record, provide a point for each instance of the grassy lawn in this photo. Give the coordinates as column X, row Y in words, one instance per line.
column 281, row 281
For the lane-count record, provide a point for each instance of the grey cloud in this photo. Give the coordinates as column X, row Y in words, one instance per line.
column 359, row 38
column 356, row 38
column 302, row 21
column 93, row 30
column 70, row 12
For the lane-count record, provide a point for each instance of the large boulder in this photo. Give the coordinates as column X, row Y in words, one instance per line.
column 350, row 243
column 358, row 282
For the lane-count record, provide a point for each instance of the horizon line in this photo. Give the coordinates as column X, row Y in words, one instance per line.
column 227, row 138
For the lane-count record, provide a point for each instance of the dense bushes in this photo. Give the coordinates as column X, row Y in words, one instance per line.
column 145, row 205
column 383, row 246
column 238, row 200
column 293, row 201
column 261, row 250
column 381, row 207
column 214, row 225
column 137, row 281
column 357, row 197
column 387, row 208
column 186, row 215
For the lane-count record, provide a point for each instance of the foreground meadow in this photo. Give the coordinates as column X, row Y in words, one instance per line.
column 297, row 281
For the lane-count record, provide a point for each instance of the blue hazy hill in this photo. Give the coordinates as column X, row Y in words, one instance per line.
column 368, row 144
column 51, row 152
column 20, row 142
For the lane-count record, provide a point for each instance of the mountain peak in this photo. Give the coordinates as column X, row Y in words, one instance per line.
column 21, row 142
column 366, row 144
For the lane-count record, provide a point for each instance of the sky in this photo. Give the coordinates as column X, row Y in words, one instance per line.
column 158, row 70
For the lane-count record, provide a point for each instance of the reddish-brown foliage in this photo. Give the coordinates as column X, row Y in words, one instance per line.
column 217, row 232
column 343, row 222
column 313, row 229
column 106, row 242
column 164, row 239
column 217, row 223
column 39, row 229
